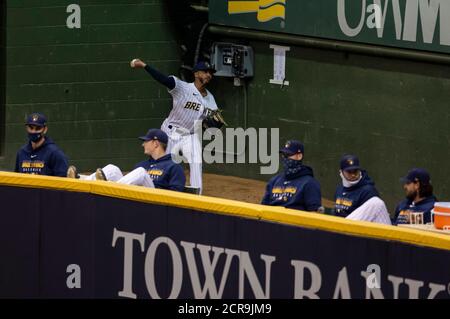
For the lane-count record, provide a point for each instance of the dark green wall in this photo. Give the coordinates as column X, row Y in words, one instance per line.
column 393, row 114
column 2, row 75
column 81, row 78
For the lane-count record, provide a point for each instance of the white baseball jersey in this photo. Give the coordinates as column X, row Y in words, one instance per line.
column 188, row 106
column 373, row 210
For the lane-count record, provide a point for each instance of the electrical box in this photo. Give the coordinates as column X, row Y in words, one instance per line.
column 232, row 60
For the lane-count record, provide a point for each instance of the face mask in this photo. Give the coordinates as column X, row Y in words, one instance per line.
column 291, row 166
column 35, row 137
column 348, row 183
column 290, row 163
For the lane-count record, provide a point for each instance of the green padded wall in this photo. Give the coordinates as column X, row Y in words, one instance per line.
column 2, row 75
column 394, row 114
column 81, row 78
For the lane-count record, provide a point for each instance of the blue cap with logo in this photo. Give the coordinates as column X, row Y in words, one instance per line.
column 417, row 175
column 203, row 66
column 349, row 162
column 37, row 119
column 155, row 134
column 292, row 147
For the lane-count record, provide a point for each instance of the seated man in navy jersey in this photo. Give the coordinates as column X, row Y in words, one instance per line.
column 356, row 197
column 158, row 171
column 419, row 196
column 40, row 155
column 296, row 186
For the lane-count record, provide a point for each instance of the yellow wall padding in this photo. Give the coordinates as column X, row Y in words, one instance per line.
column 231, row 207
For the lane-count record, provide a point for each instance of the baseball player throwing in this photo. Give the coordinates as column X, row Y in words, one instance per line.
column 192, row 103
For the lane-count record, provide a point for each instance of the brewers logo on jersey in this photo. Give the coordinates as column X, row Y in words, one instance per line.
column 283, row 193
column 32, row 167
column 155, row 173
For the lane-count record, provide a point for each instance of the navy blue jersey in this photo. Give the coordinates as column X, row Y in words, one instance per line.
column 165, row 173
column 425, row 206
column 347, row 199
column 48, row 159
column 300, row 192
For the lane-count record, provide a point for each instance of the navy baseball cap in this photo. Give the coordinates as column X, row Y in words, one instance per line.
column 37, row 119
column 349, row 162
column 292, row 147
column 417, row 175
column 203, row 66
column 155, row 134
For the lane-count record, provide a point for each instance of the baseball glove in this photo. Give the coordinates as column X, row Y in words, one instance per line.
column 214, row 118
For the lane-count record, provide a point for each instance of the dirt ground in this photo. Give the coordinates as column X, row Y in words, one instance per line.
column 230, row 187
column 236, row 188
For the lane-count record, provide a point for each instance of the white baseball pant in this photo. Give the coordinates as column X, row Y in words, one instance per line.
column 373, row 210
column 191, row 149
column 138, row 176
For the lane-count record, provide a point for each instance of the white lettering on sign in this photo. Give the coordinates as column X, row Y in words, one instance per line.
column 406, row 24
column 206, row 271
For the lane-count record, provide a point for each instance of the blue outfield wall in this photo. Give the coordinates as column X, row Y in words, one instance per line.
column 76, row 239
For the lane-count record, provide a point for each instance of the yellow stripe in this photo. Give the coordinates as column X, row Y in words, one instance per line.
column 242, row 6
column 251, row 6
column 231, row 207
column 276, row 11
column 266, row 3
column 38, row 181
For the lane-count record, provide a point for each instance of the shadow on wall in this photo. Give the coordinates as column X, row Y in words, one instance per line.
column 188, row 26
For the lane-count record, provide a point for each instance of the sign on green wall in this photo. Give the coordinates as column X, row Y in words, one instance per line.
column 412, row 24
